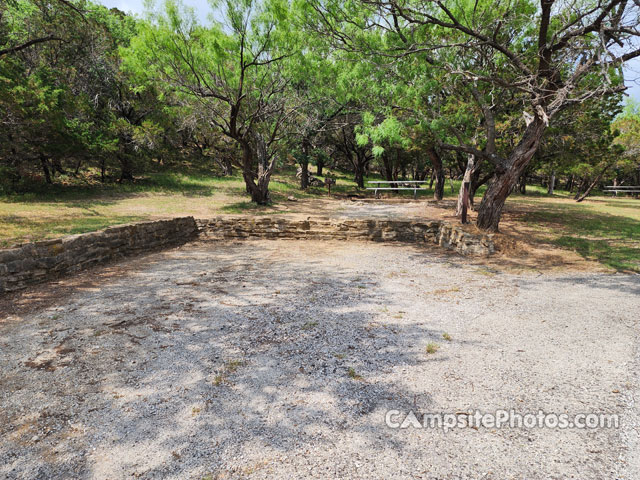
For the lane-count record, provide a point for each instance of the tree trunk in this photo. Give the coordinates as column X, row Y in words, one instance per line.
column 304, row 165
column 126, row 169
column 319, row 167
column 569, row 185
column 522, row 184
column 359, row 167
column 505, row 179
column 304, row 175
column 471, row 167
column 592, row 185
column 57, row 167
column 476, row 181
column 552, row 183
column 388, row 171
column 45, row 169
column 359, row 177
column 227, row 167
column 436, row 161
column 584, row 183
column 257, row 184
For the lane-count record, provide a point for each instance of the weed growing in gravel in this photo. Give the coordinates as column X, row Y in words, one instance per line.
column 233, row 365
column 309, row 325
column 432, row 347
column 485, row 272
column 443, row 291
column 352, row 374
column 446, row 336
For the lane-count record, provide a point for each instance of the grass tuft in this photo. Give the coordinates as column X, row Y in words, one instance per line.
column 432, row 348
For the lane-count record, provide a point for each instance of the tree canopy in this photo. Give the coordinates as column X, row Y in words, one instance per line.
column 491, row 92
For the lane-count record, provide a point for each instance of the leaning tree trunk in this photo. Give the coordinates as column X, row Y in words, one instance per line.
column 507, row 177
column 584, row 184
column 438, row 171
column 593, row 184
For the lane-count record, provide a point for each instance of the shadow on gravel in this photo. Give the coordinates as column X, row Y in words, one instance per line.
column 208, row 359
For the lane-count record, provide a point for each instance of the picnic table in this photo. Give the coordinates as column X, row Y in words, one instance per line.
column 615, row 189
column 400, row 185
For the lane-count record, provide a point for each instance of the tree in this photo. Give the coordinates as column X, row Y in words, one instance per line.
column 28, row 23
column 231, row 70
column 627, row 127
column 546, row 57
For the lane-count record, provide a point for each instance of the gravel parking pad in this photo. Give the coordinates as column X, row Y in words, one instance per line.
column 280, row 359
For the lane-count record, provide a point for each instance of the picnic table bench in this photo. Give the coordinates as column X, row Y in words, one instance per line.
column 400, row 185
column 622, row 188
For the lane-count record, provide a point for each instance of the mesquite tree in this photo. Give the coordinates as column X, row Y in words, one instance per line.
column 544, row 55
column 230, row 69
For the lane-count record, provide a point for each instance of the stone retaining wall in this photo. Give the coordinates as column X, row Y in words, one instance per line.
column 451, row 237
column 35, row 262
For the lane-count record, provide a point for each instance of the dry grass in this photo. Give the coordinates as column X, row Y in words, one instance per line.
column 538, row 232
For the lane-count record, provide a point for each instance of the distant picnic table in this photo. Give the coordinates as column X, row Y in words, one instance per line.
column 615, row 189
column 401, row 185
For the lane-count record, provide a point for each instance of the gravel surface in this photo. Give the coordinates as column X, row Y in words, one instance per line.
column 280, row 359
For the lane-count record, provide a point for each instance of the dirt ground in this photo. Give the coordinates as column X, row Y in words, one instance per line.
column 518, row 249
column 281, row 359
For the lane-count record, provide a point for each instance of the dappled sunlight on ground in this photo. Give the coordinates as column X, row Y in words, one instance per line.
column 279, row 359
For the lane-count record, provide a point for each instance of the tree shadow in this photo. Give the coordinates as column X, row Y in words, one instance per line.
column 185, row 366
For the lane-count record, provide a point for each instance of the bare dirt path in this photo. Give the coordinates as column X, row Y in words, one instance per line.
column 280, row 359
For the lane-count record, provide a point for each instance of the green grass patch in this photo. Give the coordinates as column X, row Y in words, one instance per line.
column 603, row 229
column 79, row 205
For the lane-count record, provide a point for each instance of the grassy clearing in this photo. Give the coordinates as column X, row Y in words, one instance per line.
column 603, row 229
column 76, row 207
column 67, row 209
